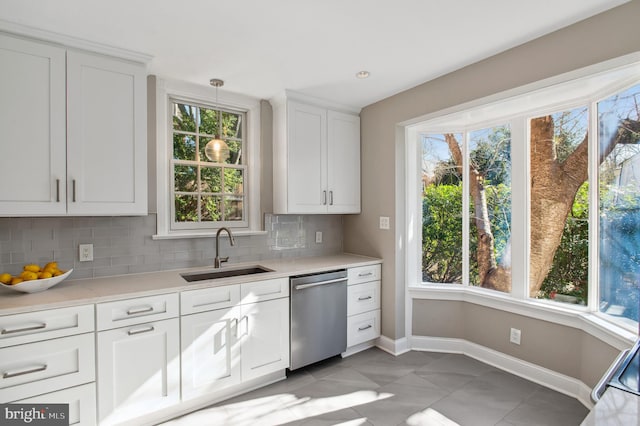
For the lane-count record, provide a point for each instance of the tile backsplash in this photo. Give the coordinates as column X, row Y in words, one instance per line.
column 123, row 245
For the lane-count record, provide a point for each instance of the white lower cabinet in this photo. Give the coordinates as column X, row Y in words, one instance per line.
column 363, row 327
column 210, row 351
column 363, row 306
column 138, row 370
column 230, row 346
column 265, row 337
column 81, row 400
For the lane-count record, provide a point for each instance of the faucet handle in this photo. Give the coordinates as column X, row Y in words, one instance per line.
column 224, row 259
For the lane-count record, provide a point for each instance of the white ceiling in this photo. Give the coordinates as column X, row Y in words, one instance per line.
column 261, row 47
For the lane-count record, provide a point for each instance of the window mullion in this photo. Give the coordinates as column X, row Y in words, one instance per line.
column 520, row 184
column 594, row 213
column 466, row 195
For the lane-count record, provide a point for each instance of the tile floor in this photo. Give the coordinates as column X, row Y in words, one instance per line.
column 375, row 388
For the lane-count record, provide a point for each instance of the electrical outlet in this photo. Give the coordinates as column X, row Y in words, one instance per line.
column 318, row 237
column 384, row 222
column 85, row 252
column 515, row 336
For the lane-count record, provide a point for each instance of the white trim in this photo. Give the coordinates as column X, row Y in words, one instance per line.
column 352, row 350
column 394, row 347
column 291, row 95
column 540, row 375
column 165, row 89
column 78, row 43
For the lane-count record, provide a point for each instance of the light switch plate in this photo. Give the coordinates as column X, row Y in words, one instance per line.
column 318, row 237
column 384, row 222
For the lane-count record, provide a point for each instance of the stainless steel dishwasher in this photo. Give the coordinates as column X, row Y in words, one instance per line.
column 318, row 317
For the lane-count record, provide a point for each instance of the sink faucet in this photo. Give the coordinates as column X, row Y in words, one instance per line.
column 219, row 260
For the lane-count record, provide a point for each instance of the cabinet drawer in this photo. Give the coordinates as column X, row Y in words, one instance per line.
column 33, row 326
column 362, row 274
column 264, row 290
column 363, row 327
column 209, row 299
column 81, row 400
column 41, row 367
column 363, row 297
column 128, row 312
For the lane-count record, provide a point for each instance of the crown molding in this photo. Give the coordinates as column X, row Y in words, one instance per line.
column 73, row 42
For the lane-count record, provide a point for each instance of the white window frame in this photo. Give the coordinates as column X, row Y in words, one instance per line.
column 516, row 107
column 167, row 92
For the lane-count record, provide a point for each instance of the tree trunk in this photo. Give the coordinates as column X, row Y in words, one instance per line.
column 554, row 186
column 490, row 274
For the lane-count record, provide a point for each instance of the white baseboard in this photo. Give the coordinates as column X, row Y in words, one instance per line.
column 394, row 347
column 543, row 376
column 358, row 348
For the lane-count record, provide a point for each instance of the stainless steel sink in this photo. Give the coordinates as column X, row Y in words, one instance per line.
column 224, row 273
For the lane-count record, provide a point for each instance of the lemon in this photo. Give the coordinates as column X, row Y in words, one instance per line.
column 29, row 275
column 5, row 278
column 58, row 272
column 16, row 280
column 51, row 265
column 32, row 268
column 44, row 275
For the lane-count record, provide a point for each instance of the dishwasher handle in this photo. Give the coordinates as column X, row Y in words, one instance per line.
column 304, row 286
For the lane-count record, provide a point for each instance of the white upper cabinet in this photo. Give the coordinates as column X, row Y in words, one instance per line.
column 32, row 119
column 74, row 132
column 106, row 136
column 343, row 164
column 316, row 151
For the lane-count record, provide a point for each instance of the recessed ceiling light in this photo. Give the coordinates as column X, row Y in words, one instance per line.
column 362, row 74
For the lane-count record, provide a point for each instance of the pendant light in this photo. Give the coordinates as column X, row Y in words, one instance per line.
column 217, row 150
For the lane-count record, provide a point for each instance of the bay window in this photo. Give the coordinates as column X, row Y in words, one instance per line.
column 536, row 196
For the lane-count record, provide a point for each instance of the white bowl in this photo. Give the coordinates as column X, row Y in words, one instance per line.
column 35, row 286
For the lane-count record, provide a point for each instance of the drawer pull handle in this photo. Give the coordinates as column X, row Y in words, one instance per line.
column 139, row 310
column 366, row 327
column 140, row 330
column 365, row 298
column 368, row 274
column 7, row 330
column 10, row 374
column 235, row 327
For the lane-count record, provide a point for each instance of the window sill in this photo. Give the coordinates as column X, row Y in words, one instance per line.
column 578, row 317
column 204, row 234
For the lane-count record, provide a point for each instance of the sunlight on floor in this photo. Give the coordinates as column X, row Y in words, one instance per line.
column 430, row 417
column 279, row 409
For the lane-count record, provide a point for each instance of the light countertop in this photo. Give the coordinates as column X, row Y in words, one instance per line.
column 615, row 408
column 95, row 290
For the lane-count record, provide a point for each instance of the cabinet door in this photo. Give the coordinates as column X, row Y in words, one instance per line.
column 210, row 351
column 343, row 161
column 264, row 329
column 307, row 159
column 138, row 370
column 106, row 138
column 81, row 400
column 32, row 119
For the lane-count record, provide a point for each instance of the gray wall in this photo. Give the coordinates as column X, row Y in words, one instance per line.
column 562, row 349
column 602, row 37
